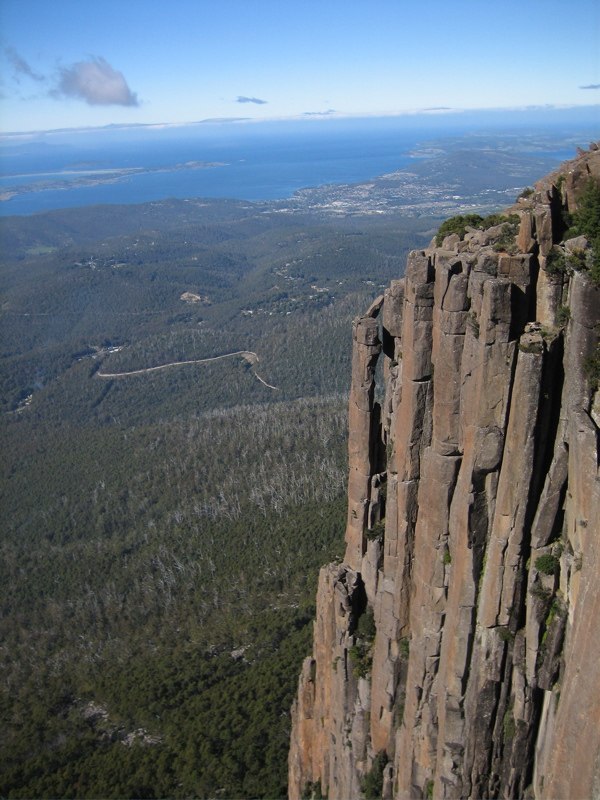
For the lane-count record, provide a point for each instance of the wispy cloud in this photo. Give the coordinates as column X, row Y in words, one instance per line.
column 243, row 99
column 319, row 113
column 96, row 82
column 20, row 66
column 591, row 86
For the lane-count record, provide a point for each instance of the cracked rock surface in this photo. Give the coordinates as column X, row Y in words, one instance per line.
column 473, row 533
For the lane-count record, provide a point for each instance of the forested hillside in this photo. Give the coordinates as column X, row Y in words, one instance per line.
column 163, row 530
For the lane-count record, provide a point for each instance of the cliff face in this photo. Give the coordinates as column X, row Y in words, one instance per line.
column 456, row 651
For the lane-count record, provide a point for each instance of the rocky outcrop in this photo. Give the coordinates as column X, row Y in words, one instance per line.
column 455, row 651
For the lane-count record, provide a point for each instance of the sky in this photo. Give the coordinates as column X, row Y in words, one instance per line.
column 88, row 63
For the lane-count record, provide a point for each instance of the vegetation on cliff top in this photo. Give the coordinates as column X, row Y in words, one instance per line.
column 586, row 222
column 459, row 225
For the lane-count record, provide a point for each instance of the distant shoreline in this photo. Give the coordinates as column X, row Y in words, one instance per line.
column 97, row 177
column 279, row 166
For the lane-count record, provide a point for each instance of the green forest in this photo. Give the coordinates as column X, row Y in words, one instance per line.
column 163, row 531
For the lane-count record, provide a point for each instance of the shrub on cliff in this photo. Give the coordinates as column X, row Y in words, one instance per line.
column 372, row 784
column 556, row 262
column 586, row 222
column 313, row 791
column 361, row 654
column 527, row 192
column 361, row 658
column 459, row 225
column 366, row 626
column 591, row 366
column 548, row 564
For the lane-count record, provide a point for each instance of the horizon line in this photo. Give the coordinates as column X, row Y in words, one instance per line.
column 304, row 116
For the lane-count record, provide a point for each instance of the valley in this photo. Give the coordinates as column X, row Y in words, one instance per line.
column 174, row 475
column 173, row 388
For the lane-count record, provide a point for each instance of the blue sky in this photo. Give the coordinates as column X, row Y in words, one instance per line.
column 73, row 63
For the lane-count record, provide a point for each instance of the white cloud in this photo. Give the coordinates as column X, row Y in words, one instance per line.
column 96, row 82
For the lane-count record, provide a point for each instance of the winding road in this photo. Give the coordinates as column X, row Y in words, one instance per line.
column 247, row 355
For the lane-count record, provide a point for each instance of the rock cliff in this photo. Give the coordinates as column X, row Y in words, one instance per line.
column 456, row 653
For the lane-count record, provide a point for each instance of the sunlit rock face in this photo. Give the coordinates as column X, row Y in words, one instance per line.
column 473, row 534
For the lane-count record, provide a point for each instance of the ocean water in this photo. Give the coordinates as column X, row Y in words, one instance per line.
column 253, row 164
column 258, row 161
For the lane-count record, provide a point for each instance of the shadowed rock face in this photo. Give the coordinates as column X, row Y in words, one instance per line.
column 473, row 532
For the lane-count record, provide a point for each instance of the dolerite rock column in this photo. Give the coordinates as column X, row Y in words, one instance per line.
column 364, row 434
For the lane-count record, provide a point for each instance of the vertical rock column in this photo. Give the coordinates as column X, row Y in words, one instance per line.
column 548, row 220
column 440, row 461
column 410, row 433
column 568, row 756
column 329, row 715
column 364, row 435
column 432, row 741
column 500, row 717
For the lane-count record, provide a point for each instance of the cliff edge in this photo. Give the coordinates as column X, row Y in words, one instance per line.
column 455, row 648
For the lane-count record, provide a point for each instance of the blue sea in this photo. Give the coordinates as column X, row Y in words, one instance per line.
column 248, row 161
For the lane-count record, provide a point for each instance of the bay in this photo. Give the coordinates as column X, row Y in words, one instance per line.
column 245, row 161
